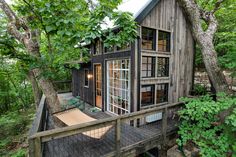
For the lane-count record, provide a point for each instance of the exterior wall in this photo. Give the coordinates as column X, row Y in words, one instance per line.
column 168, row 16
column 85, row 93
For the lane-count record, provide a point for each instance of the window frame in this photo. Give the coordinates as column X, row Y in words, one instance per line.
column 167, row 38
column 86, row 78
column 167, row 67
column 166, row 92
column 153, row 62
column 147, row 36
column 153, row 95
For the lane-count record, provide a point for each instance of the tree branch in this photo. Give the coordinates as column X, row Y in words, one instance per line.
column 217, row 5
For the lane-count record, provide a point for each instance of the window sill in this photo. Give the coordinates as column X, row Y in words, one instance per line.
column 86, row 86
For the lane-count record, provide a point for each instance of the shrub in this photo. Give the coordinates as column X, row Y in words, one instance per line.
column 197, row 125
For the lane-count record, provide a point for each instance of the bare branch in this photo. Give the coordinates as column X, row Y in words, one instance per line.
column 10, row 14
column 217, row 5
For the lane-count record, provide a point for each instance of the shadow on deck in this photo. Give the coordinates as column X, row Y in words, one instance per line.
column 126, row 135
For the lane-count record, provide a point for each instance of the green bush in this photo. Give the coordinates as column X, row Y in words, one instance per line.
column 198, row 125
column 200, row 89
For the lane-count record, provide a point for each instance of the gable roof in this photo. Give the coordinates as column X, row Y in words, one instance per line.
column 139, row 8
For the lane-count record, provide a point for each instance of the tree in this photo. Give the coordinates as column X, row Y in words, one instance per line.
column 50, row 32
column 197, row 15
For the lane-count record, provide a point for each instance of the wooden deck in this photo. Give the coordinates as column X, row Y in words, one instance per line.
column 85, row 146
column 126, row 135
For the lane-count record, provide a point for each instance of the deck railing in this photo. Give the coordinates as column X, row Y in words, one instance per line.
column 128, row 134
column 63, row 86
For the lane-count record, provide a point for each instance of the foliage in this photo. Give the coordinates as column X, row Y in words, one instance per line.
column 198, row 125
column 14, row 131
column 75, row 102
column 225, row 37
column 200, row 89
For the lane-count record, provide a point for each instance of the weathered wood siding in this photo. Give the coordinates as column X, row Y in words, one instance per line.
column 168, row 16
column 78, row 79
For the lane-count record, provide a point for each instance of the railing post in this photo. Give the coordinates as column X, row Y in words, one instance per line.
column 35, row 148
column 164, row 124
column 118, row 132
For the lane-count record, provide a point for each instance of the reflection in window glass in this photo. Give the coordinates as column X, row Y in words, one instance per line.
column 148, row 66
column 162, row 93
column 164, row 41
column 148, row 38
column 163, row 67
column 118, row 98
column 147, row 95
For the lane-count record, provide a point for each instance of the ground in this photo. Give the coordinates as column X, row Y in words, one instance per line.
column 14, row 130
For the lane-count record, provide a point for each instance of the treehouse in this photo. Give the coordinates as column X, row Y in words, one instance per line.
column 136, row 86
column 155, row 70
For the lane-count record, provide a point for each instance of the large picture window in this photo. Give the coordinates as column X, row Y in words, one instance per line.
column 161, row 93
column 148, row 66
column 148, row 38
column 164, row 41
column 118, row 86
column 162, row 66
column 147, row 95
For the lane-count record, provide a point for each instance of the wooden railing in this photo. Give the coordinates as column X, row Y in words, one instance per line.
column 38, row 139
column 40, row 121
column 63, row 86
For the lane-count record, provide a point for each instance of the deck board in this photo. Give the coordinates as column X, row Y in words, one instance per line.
column 85, row 146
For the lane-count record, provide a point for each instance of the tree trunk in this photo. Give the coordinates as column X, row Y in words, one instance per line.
column 214, row 72
column 18, row 28
column 36, row 90
column 204, row 39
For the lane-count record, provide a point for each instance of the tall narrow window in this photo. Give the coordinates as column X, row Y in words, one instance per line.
column 86, row 80
column 162, row 93
column 164, row 41
column 148, row 38
column 148, row 66
column 147, row 95
column 97, row 50
column 162, row 67
column 118, row 86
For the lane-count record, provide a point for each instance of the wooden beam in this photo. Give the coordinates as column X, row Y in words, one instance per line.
column 118, row 136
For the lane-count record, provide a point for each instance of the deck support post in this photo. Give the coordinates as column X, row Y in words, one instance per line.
column 164, row 124
column 35, row 147
column 38, row 147
column 118, row 132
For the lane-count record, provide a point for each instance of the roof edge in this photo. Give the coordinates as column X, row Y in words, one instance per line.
column 146, row 11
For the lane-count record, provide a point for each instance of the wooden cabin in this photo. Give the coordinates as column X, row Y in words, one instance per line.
column 155, row 70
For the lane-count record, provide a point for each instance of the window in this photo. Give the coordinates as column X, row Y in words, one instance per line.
column 147, row 95
column 148, row 38
column 148, row 66
column 161, row 93
column 118, row 86
column 164, row 41
column 97, row 50
column 123, row 47
column 162, row 67
column 86, row 80
column 108, row 49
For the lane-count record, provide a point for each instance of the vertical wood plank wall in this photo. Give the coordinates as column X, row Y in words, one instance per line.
column 167, row 15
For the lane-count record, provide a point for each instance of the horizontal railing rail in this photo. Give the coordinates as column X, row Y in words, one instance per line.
column 118, row 124
column 63, row 86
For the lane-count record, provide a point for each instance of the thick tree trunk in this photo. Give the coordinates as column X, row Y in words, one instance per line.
column 18, row 28
column 36, row 90
column 211, row 64
column 205, row 40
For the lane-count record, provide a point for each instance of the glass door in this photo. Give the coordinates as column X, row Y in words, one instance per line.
column 98, row 86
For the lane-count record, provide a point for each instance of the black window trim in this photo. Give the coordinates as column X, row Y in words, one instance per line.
column 154, row 46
